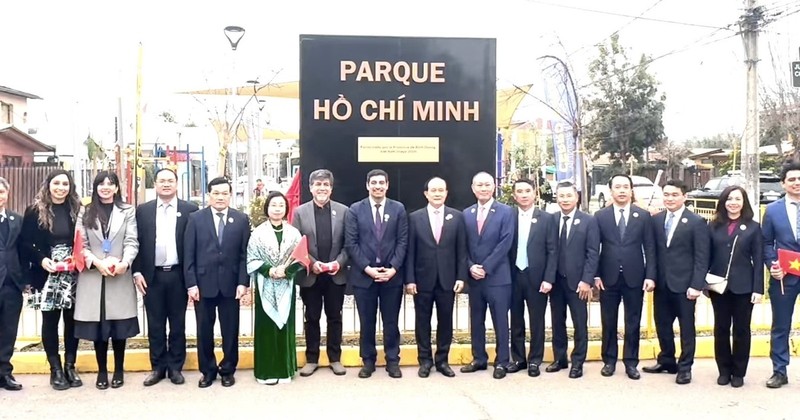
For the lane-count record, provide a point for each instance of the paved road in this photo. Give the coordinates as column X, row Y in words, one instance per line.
column 468, row 396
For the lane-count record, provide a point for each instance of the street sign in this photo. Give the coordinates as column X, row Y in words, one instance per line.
column 796, row 74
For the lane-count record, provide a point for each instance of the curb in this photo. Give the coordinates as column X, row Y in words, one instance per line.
column 138, row 360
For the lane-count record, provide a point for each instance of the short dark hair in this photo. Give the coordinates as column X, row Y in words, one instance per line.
column 272, row 195
column 789, row 165
column 219, row 181
column 377, row 172
column 427, row 183
column 321, row 175
column 566, row 184
column 677, row 183
column 259, row 180
column 165, row 169
column 626, row 176
column 721, row 214
column 524, row 181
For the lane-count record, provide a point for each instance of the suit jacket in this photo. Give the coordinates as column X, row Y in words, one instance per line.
column 747, row 270
column 216, row 269
column 428, row 262
column 303, row 219
column 363, row 245
column 34, row 247
column 10, row 269
column 541, row 249
column 490, row 248
column 684, row 263
column 778, row 234
column 120, row 293
column 145, row 261
column 582, row 249
column 635, row 253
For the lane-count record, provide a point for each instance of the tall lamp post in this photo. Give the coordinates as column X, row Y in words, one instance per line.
column 234, row 34
column 254, row 141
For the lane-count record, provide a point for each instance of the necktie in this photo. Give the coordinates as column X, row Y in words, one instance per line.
column 797, row 222
column 161, row 247
column 437, row 225
column 378, row 221
column 220, row 227
column 522, row 244
column 621, row 225
column 668, row 226
column 4, row 229
column 481, row 218
column 562, row 248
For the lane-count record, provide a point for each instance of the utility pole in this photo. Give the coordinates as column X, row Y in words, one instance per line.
column 750, row 24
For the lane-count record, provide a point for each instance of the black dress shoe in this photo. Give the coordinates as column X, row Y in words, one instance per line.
column 533, row 370
column 228, row 380
column 472, row 367
column 661, row 368
column 445, row 370
column 205, row 382
column 394, row 370
column 777, row 380
column 515, row 367
column 737, row 381
column 72, row 375
column 366, row 370
column 555, row 367
column 575, row 373
column 154, row 377
column 424, row 371
column 176, row 377
column 102, row 380
column 499, row 372
column 723, row 380
column 632, row 373
column 117, row 380
column 683, row 378
column 607, row 370
column 8, row 383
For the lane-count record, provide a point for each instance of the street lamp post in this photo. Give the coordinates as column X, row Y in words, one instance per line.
column 234, row 34
column 253, row 142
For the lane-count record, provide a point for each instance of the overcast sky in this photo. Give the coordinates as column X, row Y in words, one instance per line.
column 86, row 51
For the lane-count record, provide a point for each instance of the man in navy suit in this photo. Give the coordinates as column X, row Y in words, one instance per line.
column 436, row 268
column 214, row 269
column 533, row 272
column 11, row 286
column 578, row 256
column 781, row 230
column 376, row 239
column 490, row 234
column 683, row 244
column 626, row 270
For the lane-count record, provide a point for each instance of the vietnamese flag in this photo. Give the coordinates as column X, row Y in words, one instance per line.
column 293, row 196
column 77, row 251
column 300, row 253
column 789, row 261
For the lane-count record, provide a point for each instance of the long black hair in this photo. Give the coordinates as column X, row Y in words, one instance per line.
column 721, row 215
column 43, row 203
column 92, row 210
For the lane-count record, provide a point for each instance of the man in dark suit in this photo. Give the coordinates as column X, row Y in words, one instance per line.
column 435, row 270
column 781, row 230
column 490, row 234
column 376, row 239
column 11, row 287
column 321, row 220
column 216, row 278
column 158, row 275
column 578, row 256
column 626, row 270
column 533, row 261
column 682, row 249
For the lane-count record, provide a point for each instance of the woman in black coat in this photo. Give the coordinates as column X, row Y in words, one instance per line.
column 48, row 229
column 734, row 221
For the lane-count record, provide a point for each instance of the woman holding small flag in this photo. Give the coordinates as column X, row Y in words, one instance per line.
column 48, row 230
column 275, row 254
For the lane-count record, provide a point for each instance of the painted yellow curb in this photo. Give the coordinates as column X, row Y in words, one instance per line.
column 138, row 360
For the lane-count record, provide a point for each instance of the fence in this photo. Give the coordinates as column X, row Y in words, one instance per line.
column 25, row 181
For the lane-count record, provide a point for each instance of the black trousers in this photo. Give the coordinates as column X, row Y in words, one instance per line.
column 206, row 314
column 166, row 301
column 10, row 310
column 423, row 308
column 737, row 310
column 324, row 293
column 524, row 293
column 368, row 301
column 666, row 307
column 561, row 298
column 632, row 299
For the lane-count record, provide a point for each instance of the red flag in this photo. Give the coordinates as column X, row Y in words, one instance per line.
column 293, row 196
column 300, row 253
column 77, row 251
column 789, row 261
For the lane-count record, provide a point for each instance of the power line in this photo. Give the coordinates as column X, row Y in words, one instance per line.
column 618, row 29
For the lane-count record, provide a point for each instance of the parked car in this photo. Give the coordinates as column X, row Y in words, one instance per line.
column 645, row 192
column 769, row 187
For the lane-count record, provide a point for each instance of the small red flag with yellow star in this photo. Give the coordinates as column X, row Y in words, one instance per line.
column 789, row 261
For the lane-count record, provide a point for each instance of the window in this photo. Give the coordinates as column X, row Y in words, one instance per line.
column 6, row 113
column 12, row 160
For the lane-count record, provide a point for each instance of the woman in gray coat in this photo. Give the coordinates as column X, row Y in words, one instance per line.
column 105, row 302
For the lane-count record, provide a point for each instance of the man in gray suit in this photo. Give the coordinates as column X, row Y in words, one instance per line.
column 322, row 221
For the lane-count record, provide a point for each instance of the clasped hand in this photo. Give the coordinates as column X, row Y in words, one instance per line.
column 380, row 274
column 110, row 266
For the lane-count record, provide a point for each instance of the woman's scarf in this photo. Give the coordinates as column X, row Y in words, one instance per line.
column 275, row 294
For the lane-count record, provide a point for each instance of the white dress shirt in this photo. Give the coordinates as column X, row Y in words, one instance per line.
column 791, row 211
column 627, row 209
column 677, row 219
column 524, row 223
column 166, row 222
column 372, row 204
column 432, row 216
column 571, row 220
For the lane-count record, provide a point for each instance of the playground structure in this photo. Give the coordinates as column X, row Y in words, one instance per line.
column 190, row 166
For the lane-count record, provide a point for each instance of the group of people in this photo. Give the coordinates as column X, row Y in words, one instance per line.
column 506, row 258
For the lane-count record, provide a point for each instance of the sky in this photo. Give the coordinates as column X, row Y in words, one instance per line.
column 82, row 55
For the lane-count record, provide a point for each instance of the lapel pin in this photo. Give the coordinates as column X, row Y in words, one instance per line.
column 178, row 214
column 635, row 214
column 473, row 210
column 448, row 217
column 684, row 220
column 333, row 212
column 491, row 210
column 385, row 217
column 10, row 217
column 743, row 227
column 230, row 220
column 576, row 222
column 534, row 220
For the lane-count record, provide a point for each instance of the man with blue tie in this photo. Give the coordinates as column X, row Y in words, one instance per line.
column 627, row 269
column 490, row 234
column 376, row 239
column 781, row 230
